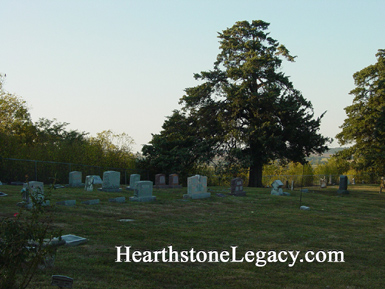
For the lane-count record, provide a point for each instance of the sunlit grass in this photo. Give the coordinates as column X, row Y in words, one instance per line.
column 352, row 223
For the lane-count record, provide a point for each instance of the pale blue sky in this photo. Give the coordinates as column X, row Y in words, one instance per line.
column 123, row 65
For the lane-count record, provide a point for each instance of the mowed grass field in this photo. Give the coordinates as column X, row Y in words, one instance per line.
column 354, row 224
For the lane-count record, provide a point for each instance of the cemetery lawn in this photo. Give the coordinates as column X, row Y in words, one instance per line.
column 351, row 223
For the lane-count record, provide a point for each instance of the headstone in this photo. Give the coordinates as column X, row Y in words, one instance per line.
column 382, row 184
column 75, row 179
column 126, row 220
column 143, row 192
column 305, row 208
column 91, row 202
column 160, row 181
column 3, row 194
column 173, row 181
column 134, row 179
column 197, row 188
column 277, row 186
column 330, row 180
column 96, row 180
column 343, row 188
column 72, row 240
column 89, row 187
column 68, row 203
column 292, row 186
column 304, row 190
column 111, row 182
column 117, row 200
column 34, row 190
column 353, row 181
column 62, row 281
column 237, row 187
column 322, row 182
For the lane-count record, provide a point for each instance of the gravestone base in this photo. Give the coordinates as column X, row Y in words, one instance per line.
column 343, row 192
column 143, row 199
column 91, row 202
column 72, row 240
column 68, row 203
column 117, row 200
column 277, row 193
column 30, row 205
column 114, row 190
column 79, row 185
column 238, row 194
column 175, row 186
column 24, row 205
column 161, row 187
column 197, row 196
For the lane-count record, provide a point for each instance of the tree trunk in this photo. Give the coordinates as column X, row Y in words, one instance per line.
column 255, row 175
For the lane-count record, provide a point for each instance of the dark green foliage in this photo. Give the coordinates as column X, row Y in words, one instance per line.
column 52, row 141
column 364, row 126
column 23, row 244
column 182, row 144
column 246, row 109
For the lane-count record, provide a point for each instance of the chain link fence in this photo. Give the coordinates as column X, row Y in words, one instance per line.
column 17, row 171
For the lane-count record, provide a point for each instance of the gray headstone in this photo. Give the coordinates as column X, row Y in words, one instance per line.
column 117, row 200
column 35, row 189
column 173, row 181
column 91, row 202
column 160, row 181
column 62, row 281
column 75, row 179
column 197, row 188
column 134, row 178
column 89, row 187
column 143, row 192
column 111, row 182
column 68, row 203
column 236, row 187
column 72, row 240
column 343, row 188
column 277, row 186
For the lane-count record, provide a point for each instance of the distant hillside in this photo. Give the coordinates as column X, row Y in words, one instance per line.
column 317, row 159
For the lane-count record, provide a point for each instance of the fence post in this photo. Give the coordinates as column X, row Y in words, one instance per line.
column 35, row 170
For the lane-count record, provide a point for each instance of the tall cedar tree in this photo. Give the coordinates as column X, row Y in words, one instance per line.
column 364, row 126
column 245, row 109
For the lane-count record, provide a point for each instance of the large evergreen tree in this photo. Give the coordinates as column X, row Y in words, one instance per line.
column 262, row 117
column 364, row 126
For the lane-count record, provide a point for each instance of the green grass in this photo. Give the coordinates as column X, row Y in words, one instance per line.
column 352, row 223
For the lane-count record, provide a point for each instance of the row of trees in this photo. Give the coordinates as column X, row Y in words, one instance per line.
column 50, row 140
column 242, row 116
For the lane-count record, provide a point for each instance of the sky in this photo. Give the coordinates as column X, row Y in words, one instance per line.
column 123, row 65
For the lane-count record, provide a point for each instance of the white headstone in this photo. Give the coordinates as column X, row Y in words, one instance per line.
column 277, row 189
column 197, row 188
column 34, row 190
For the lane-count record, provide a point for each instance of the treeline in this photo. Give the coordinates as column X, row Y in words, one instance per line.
column 50, row 140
